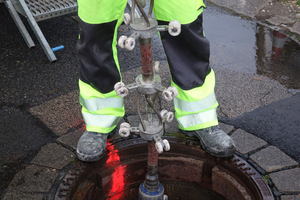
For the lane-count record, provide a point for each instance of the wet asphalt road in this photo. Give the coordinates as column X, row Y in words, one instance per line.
column 277, row 123
column 28, row 79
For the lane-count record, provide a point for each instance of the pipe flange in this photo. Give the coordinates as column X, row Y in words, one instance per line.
column 140, row 26
column 145, row 87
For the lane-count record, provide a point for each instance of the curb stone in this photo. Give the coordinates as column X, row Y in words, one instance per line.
column 54, row 156
column 280, row 178
column 15, row 190
column 246, row 142
column 268, row 159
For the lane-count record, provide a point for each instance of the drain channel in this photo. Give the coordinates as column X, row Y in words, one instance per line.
column 186, row 171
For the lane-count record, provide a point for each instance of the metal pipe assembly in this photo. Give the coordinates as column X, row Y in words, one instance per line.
column 147, row 68
column 148, row 84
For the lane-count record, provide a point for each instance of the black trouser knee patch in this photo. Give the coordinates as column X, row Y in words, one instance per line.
column 97, row 65
column 187, row 54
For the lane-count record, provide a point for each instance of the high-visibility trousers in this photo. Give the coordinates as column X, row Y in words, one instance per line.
column 187, row 55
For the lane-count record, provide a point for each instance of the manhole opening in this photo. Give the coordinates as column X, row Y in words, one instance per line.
column 186, row 172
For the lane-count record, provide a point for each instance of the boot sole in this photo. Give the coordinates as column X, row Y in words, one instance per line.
column 88, row 158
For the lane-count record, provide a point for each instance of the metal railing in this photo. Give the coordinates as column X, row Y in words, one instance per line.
column 38, row 10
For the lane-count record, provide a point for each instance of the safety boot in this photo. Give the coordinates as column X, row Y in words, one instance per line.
column 91, row 146
column 214, row 141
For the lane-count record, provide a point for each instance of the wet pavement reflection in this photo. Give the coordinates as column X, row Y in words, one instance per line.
column 248, row 47
column 278, row 57
column 117, row 188
column 236, row 45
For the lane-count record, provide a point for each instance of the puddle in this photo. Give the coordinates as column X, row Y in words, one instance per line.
column 248, row 47
column 278, row 57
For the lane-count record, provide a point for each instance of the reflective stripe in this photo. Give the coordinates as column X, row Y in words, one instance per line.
column 199, row 92
column 196, row 106
column 100, row 103
column 198, row 118
column 107, row 121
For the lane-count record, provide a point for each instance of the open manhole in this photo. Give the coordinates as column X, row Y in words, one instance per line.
column 186, row 172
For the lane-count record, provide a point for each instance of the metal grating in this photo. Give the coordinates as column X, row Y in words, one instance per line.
column 46, row 9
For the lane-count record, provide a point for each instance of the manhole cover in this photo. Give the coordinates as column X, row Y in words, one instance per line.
column 295, row 59
column 186, row 172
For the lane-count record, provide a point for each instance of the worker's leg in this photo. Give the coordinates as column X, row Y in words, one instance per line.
column 188, row 58
column 102, row 109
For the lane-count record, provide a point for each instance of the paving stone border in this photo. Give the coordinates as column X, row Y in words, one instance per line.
column 33, row 179
column 268, row 159
column 53, row 156
column 282, row 175
column 246, row 142
column 34, row 182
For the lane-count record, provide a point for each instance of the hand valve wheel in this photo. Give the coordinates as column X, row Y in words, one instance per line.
column 120, row 89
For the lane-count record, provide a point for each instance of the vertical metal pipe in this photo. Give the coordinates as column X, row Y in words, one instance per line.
column 139, row 112
column 151, row 182
column 152, row 158
column 156, row 112
column 150, row 8
column 149, row 111
column 143, row 12
column 133, row 12
column 147, row 67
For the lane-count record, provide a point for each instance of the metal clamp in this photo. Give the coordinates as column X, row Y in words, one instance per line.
column 125, row 129
column 161, row 144
column 120, row 89
column 170, row 93
column 166, row 115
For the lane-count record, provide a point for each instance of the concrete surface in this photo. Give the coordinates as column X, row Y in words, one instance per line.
column 290, row 197
column 71, row 139
column 53, row 156
column 246, row 142
column 258, row 112
column 33, row 179
column 287, row 180
column 63, row 113
column 268, row 159
column 276, row 123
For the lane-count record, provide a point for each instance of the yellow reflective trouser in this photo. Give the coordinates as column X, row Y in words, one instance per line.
column 197, row 108
column 187, row 54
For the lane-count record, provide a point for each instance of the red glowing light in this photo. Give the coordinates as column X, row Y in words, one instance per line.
column 117, row 183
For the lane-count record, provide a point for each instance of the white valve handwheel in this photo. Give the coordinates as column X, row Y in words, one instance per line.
column 130, row 43
column 121, row 41
column 163, row 113
column 126, row 18
column 169, row 117
column 159, row 147
column 118, row 85
column 174, row 28
column 167, row 95
column 122, row 92
column 124, row 132
column 173, row 90
column 167, row 145
column 125, row 125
